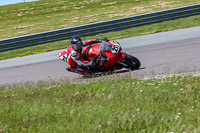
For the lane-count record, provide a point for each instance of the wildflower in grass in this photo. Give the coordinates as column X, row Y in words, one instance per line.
column 138, row 109
column 150, row 83
column 109, row 122
column 195, row 80
column 88, row 102
column 110, row 96
column 177, row 117
column 141, row 90
column 188, row 85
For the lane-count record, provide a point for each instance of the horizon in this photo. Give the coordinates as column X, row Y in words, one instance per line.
column 9, row 2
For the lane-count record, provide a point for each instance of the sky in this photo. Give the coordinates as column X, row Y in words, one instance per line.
column 7, row 2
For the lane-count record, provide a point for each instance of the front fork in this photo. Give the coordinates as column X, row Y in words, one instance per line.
column 120, row 61
column 122, row 57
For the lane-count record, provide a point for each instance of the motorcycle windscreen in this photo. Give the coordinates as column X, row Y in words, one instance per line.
column 105, row 47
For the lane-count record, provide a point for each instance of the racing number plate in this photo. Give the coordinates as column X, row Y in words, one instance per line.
column 115, row 48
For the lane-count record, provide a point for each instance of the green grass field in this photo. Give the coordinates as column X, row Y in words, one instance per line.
column 165, row 105
column 45, row 15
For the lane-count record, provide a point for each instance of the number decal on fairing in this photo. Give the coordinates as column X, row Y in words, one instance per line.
column 115, row 48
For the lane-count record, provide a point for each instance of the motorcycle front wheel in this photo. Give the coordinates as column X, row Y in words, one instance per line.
column 132, row 62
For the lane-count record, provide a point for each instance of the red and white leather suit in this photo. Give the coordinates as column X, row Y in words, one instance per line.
column 75, row 58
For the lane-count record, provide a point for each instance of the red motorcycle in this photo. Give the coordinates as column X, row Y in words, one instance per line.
column 110, row 57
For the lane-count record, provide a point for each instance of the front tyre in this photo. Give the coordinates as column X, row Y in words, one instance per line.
column 132, row 62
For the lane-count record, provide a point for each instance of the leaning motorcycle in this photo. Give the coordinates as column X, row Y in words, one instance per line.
column 110, row 57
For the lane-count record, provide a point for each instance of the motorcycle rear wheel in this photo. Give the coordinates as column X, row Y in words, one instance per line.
column 132, row 62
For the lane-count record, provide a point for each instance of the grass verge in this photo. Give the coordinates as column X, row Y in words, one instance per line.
column 45, row 15
column 155, row 28
column 168, row 104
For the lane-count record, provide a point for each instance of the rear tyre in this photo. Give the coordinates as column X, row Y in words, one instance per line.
column 132, row 62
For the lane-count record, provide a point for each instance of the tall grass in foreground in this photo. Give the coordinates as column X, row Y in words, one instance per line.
column 155, row 105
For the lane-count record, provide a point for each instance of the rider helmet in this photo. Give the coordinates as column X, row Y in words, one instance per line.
column 76, row 43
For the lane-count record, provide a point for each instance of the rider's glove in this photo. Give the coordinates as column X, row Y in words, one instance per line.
column 106, row 40
column 95, row 62
column 100, row 40
column 102, row 59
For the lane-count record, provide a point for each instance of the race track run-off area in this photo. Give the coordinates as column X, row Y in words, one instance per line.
column 171, row 52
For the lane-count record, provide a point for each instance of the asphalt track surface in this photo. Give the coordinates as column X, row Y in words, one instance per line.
column 163, row 53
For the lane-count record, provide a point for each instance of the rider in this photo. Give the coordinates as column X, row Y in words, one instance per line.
column 75, row 53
